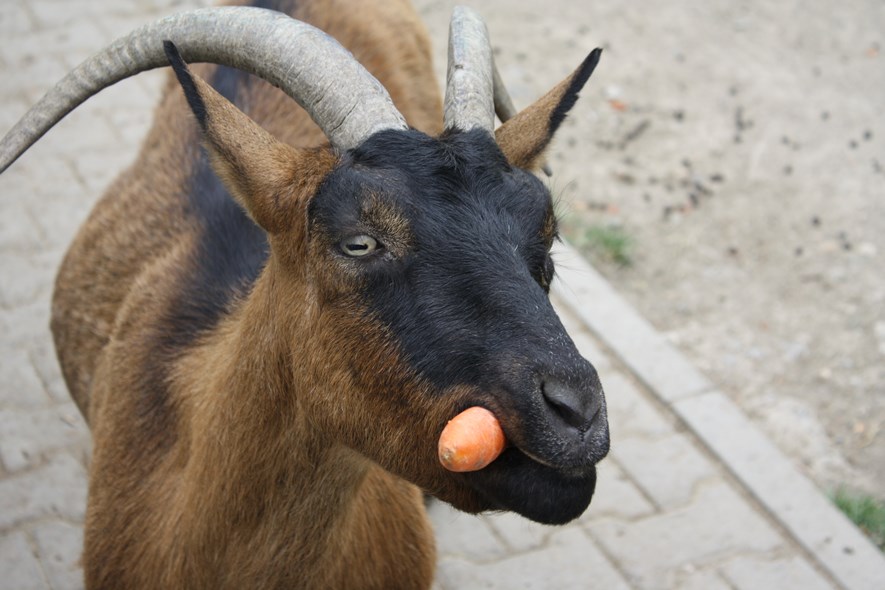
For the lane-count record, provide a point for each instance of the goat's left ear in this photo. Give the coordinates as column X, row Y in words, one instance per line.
column 269, row 178
column 524, row 138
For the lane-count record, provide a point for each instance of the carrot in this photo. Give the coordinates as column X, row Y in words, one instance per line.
column 471, row 440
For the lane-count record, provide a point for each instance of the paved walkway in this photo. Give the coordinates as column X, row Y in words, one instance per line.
column 692, row 495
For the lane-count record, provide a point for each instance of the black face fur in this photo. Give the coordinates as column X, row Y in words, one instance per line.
column 460, row 278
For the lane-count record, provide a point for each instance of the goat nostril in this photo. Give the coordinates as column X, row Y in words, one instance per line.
column 572, row 407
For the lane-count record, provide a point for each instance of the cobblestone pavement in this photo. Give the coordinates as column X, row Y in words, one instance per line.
column 691, row 496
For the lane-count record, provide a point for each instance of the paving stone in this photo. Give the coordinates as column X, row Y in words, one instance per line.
column 57, row 488
column 717, row 524
column 61, row 13
column 45, row 178
column 99, row 168
column 571, row 561
column 23, row 279
column 668, row 469
column 26, row 436
column 812, row 519
column 26, row 325
column 14, row 19
column 31, row 76
column 21, row 387
column 60, row 545
column 630, row 413
column 616, row 495
column 18, row 182
column 81, row 38
column 791, row 573
column 82, row 131
column 463, row 535
column 44, row 360
column 19, row 569
column 18, row 233
column 689, row 578
column 59, row 218
column 154, row 8
column 519, row 533
column 153, row 82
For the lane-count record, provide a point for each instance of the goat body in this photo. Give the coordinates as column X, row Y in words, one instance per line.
column 265, row 409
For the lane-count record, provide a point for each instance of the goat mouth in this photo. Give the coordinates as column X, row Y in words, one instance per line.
column 549, row 495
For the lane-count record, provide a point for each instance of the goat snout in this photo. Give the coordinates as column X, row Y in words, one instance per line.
column 571, row 431
column 572, row 410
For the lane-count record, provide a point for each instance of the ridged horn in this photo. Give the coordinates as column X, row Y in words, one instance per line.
column 469, row 81
column 342, row 98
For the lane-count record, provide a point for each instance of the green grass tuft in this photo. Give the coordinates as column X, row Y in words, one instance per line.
column 864, row 511
column 612, row 243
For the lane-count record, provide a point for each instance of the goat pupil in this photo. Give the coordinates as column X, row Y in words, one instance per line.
column 359, row 245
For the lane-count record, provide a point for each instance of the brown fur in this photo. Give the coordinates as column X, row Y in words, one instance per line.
column 247, row 474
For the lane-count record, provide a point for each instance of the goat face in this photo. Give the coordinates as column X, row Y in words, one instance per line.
column 443, row 248
column 418, row 270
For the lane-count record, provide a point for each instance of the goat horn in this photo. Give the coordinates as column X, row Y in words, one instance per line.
column 469, row 80
column 342, row 98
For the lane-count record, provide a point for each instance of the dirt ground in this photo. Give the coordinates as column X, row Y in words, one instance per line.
column 741, row 148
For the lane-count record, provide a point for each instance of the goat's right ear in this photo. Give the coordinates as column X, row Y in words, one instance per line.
column 269, row 178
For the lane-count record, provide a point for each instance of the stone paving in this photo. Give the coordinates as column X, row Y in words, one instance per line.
column 690, row 497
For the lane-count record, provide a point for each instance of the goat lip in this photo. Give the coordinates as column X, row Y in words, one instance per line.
column 568, row 457
column 572, row 470
column 542, row 493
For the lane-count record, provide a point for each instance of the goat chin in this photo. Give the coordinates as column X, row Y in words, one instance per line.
column 516, row 483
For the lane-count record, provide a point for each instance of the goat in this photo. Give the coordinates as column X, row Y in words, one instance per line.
column 268, row 334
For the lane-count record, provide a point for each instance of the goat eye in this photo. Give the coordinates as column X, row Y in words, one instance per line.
column 359, row 245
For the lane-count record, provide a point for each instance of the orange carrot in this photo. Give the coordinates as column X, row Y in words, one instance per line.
column 471, row 440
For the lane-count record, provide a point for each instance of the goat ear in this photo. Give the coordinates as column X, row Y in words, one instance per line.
column 526, row 136
column 264, row 175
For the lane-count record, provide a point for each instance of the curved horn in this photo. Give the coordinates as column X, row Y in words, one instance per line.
column 469, row 82
column 503, row 103
column 342, row 98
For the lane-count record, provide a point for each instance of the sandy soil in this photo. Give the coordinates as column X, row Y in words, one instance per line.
column 741, row 146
